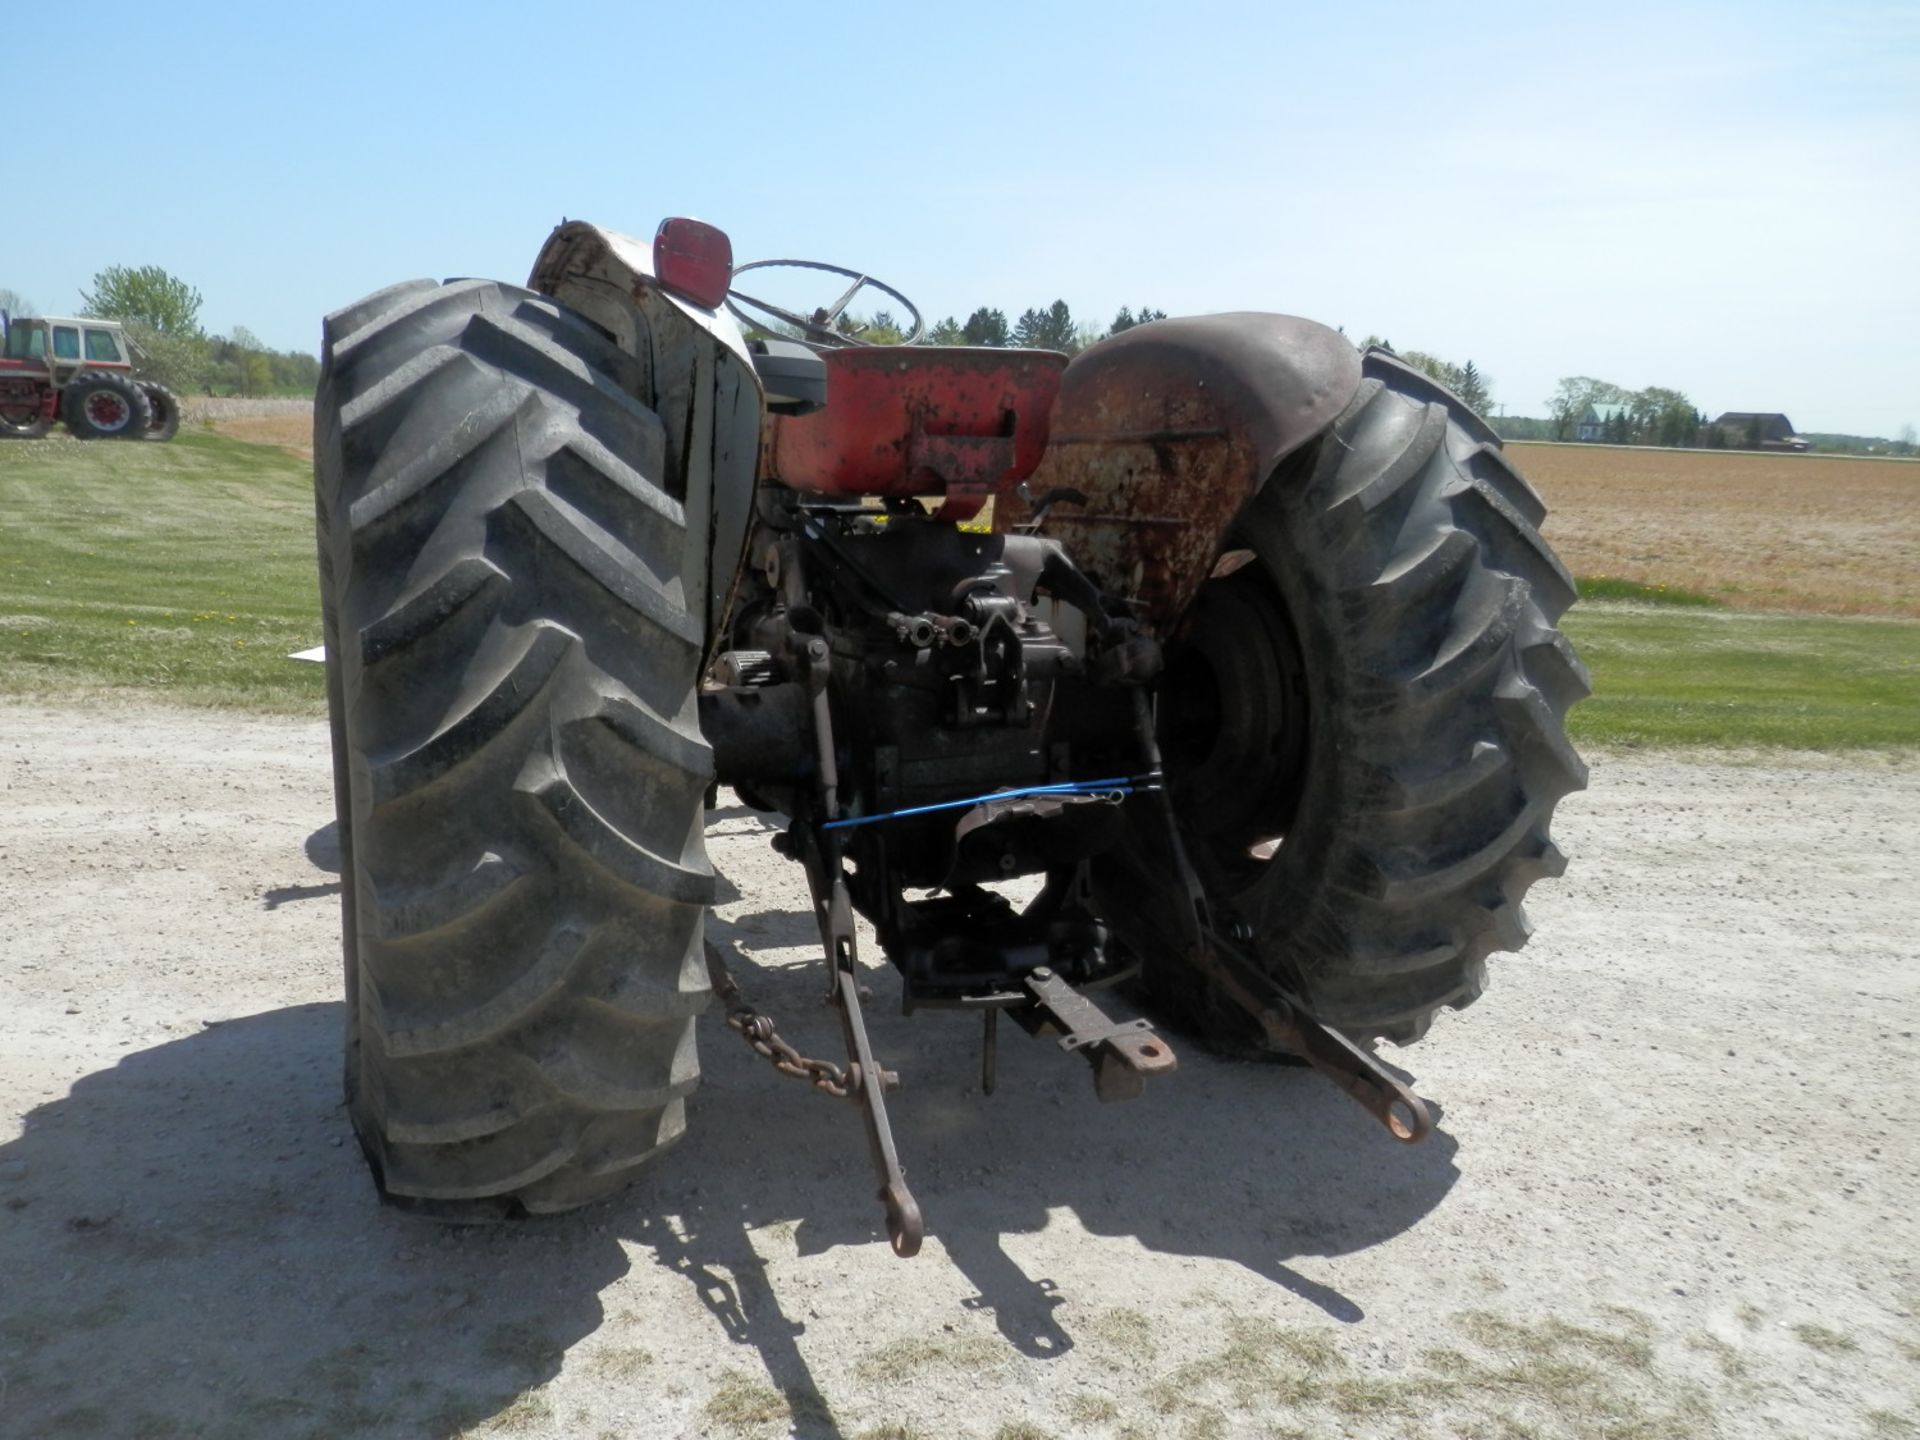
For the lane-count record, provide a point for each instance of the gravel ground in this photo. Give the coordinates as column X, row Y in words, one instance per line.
column 1667, row 1196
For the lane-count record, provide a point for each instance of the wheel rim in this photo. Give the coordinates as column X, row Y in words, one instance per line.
column 1234, row 721
column 108, row 410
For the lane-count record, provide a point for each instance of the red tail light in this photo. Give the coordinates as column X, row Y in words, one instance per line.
column 694, row 259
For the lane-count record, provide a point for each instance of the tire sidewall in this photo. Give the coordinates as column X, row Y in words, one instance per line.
column 1288, row 901
column 1291, row 895
column 80, row 392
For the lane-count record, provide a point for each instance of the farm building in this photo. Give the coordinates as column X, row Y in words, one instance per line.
column 1759, row 430
column 1593, row 424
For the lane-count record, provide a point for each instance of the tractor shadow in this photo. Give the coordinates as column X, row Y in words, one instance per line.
column 323, row 853
column 191, row 1243
column 323, row 848
column 1256, row 1163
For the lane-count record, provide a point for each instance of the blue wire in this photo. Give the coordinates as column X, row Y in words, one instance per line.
column 1118, row 785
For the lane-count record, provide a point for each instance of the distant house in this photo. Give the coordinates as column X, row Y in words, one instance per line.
column 1593, row 424
column 1759, row 430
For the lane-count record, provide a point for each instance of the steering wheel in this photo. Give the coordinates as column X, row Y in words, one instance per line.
column 818, row 328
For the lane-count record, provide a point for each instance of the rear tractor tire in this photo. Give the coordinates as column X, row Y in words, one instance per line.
column 101, row 405
column 164, row 407
column 1364, row 719
column 519, row 772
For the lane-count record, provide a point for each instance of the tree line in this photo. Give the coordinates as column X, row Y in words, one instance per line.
column 161, row 314
column 1656, row 415
column 1050, row 327
column 1652, row 415
column 1906, row 442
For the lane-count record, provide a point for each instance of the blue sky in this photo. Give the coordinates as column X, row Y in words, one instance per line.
column 1721, row 198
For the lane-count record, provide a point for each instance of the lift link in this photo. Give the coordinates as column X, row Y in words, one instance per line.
column 821, row 859
column 1288, row 1024
column 1291, row 1027
column 819, row 853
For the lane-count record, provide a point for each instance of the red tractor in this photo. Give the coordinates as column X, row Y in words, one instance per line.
column 80, row 371
column 1249, row 696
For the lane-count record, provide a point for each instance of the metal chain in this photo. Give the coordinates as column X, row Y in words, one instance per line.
column 757, row 1030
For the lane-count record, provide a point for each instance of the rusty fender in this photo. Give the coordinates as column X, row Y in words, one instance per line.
column 1169, row 429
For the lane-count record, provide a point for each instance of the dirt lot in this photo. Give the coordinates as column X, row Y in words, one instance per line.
column 285, row 424
column 1668, row 1197
column 1824, row 533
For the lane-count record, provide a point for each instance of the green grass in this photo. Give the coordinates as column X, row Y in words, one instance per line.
column 1605, row 587
column 183, row 572
column 1684, row 675
column 1511, row 1377
column 1820, row 1337
column 744, row 1404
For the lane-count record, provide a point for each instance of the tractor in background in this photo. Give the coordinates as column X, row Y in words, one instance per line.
column 80, row 372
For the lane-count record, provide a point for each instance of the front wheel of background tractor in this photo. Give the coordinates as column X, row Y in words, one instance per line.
column 519, row 772
column 1364, row 718
column 164, row 407
column 100, row 405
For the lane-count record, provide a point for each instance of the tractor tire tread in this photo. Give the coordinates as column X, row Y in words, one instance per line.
column 519, row 747
column 1427, row 605
column 163, row 409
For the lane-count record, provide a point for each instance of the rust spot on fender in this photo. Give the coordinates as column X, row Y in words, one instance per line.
column 1169, row 429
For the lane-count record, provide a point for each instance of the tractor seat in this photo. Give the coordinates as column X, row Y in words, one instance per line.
column 794, row 376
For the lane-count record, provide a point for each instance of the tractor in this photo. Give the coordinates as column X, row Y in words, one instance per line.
column 1218, row 663
column 79, row 371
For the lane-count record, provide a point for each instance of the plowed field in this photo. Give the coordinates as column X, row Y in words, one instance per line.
column 1821, row 533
